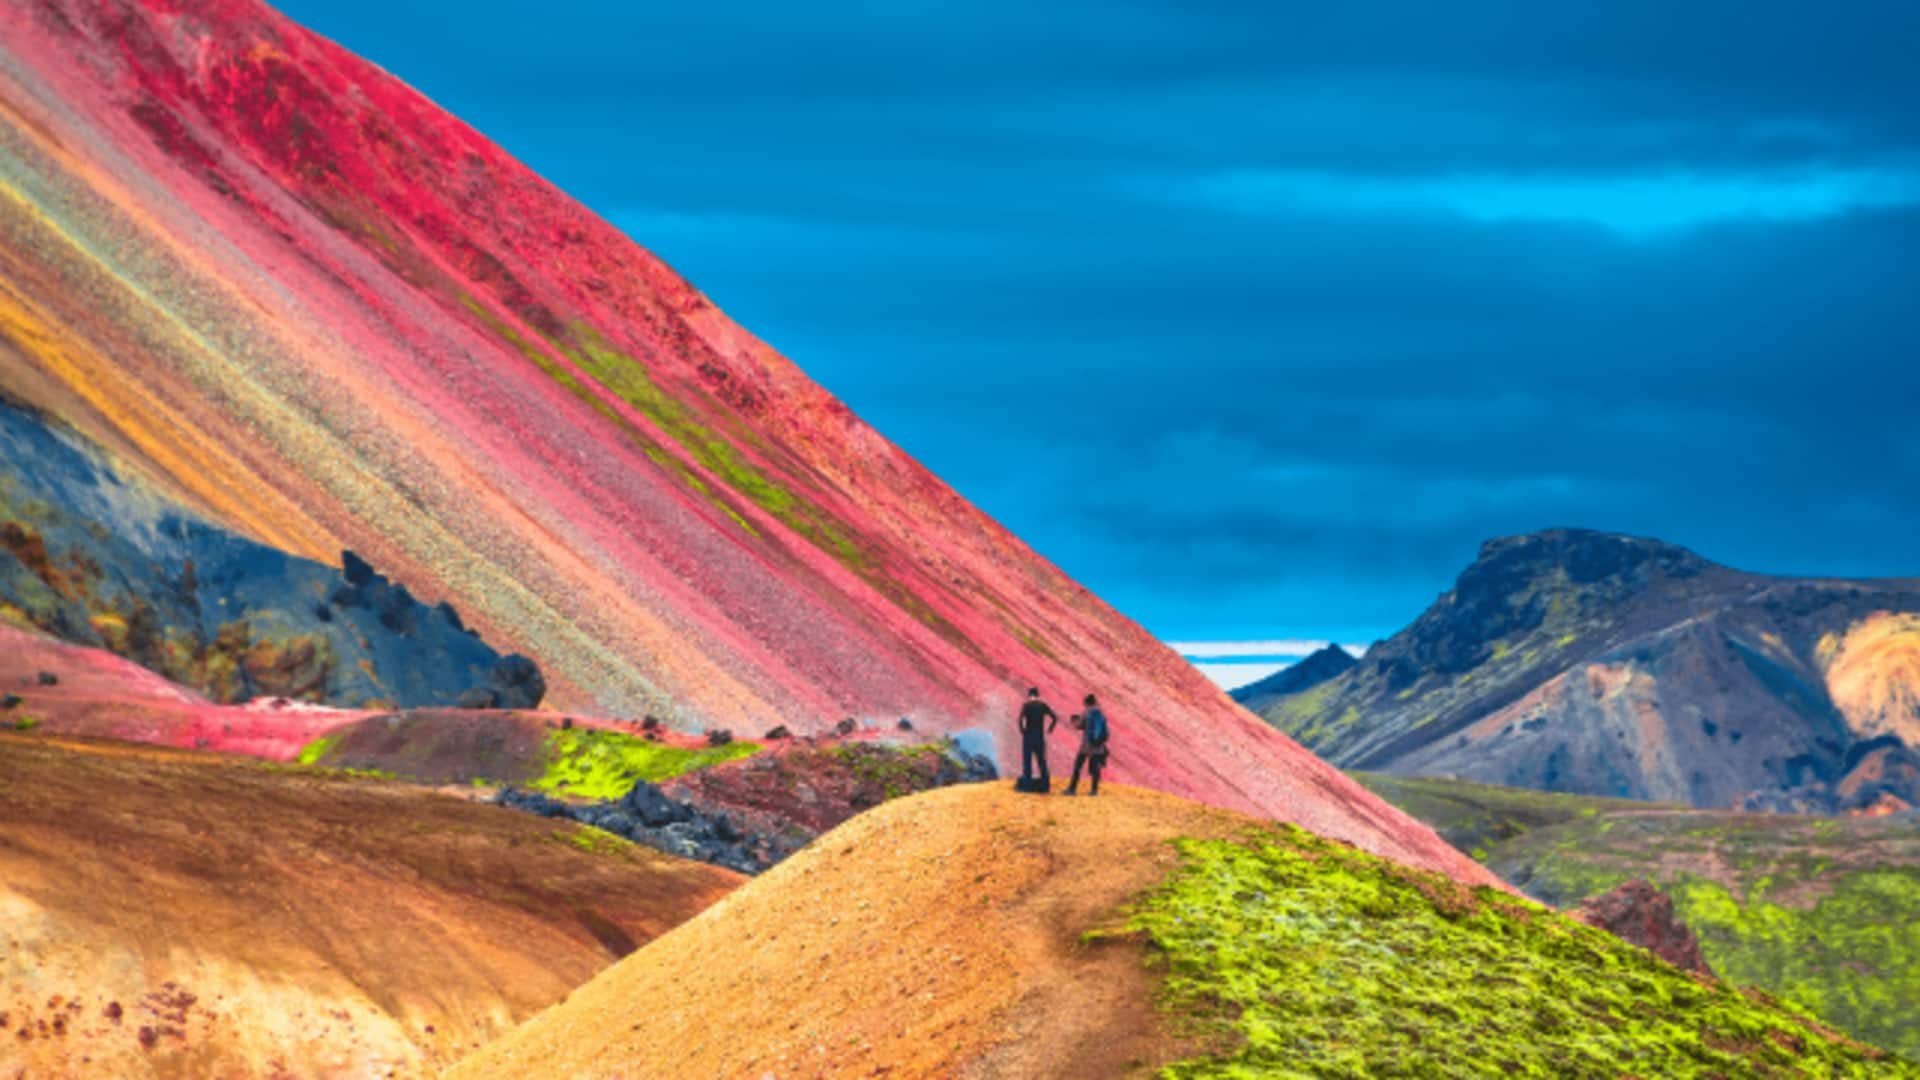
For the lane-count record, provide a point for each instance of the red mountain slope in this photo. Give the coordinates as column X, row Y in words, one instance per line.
column 329, row 315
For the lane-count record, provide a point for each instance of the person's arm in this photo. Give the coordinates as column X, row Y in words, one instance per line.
column 1053, row 719
column 1020, row 720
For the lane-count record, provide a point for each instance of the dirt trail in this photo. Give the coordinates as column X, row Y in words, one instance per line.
column 937, row 935
column 173, row 913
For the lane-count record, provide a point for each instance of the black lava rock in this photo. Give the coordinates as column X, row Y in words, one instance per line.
column 719, row 737
column 517, row 682
column 480, row 697
column 652, row 807
column 48, row 678
column 780, row 732
column 845, row 727
column 701, row 831
column 905, row 724
column 533, row 802
column 355, row 569
column 10, row 701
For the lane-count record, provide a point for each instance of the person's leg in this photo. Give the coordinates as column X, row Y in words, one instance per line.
column 1040, row 751
column 1026, row 759
column 1078, row 760
column 1093, row 773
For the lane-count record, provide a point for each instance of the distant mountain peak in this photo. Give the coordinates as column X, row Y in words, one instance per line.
column 1584, row 555
column 1328, row 662
column 1605, row 664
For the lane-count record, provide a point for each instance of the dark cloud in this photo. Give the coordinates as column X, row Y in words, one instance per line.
column 1259, row 321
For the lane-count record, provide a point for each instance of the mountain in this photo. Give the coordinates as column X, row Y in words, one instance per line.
column 169, row 913
column 1822, row 912
column 1319, row 666
column 294, row 295
column 959, row 933
column 1600, row 664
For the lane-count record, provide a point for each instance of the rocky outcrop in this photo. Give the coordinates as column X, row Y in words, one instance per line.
column 648, row 817
column 92, row 556
column 1642, row 915
column 514, row 683
column 748, row 815
column 803, row 788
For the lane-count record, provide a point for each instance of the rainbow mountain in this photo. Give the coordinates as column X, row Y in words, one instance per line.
column 300, row 300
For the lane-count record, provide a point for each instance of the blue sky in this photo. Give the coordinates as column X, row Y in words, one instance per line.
column 1258, row 321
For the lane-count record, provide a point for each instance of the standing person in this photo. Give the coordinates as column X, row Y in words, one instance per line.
column 1037, row 718
column 1094, row 734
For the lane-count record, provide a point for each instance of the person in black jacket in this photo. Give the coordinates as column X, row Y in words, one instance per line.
column 1037, row 718
column 1094, row 734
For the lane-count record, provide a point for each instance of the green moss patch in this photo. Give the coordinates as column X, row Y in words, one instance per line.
column 594, row 764
column 1822, row 912
column 1311, row 959
column 316, row 751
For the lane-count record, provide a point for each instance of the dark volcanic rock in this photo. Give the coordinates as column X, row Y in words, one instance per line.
column 654, row 809
column 517, row 682
column 751, row 813
column 480, row 697
column 1642, row 915
column 648, row 817
column 92, row 557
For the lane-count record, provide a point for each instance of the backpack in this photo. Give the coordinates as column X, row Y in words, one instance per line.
column 1097, row 728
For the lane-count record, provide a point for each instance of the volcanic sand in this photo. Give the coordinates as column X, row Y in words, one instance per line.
column 936, row 935
column 173, row 913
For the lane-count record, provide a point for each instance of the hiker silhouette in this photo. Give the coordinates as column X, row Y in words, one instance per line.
column 1036, row 719
column 1094, row 733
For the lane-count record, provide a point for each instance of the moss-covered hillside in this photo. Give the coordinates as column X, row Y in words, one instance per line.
column 1822, row 912
column 1302, row 957
column 508, row 747
column 1478, row 818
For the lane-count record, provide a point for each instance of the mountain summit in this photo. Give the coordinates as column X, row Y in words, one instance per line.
column 1573, row 660
column 309, row 305
column 1317, row 667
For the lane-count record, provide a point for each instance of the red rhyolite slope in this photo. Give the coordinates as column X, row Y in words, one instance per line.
column 330, row 315
column 62, row 689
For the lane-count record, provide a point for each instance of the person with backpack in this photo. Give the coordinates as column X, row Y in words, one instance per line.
column 1094, row 734
column 1036, row 719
